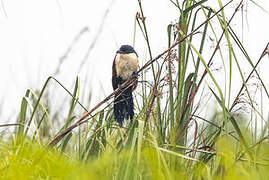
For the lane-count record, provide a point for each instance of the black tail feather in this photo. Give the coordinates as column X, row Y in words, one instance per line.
column 124, row 106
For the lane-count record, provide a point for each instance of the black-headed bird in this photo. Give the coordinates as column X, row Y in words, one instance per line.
column 125, row 66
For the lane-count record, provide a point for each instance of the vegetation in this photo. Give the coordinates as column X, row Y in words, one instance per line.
column 173, row 136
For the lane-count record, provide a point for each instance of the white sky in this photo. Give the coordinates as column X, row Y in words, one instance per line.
column 34, row 34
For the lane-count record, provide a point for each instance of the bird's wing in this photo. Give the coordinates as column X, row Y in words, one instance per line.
column 114, row 75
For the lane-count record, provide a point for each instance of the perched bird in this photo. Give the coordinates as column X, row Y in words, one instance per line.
column 125, row 66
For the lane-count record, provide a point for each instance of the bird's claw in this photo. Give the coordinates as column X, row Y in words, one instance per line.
column 120, row 87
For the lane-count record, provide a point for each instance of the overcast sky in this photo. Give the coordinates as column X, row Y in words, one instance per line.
column 35, row 34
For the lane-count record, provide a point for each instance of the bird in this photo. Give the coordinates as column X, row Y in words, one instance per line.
column 125, row 67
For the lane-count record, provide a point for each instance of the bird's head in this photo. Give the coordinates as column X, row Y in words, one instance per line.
column 126, row 49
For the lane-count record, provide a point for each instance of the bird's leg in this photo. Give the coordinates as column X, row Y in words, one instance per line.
column 120, row 87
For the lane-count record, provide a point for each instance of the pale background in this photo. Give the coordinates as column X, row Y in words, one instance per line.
column 35, row 34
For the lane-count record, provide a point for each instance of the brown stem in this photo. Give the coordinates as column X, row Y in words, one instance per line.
column 254, row 69
column 80, row 121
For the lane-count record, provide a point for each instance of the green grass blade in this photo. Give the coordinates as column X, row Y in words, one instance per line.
column 23, row 114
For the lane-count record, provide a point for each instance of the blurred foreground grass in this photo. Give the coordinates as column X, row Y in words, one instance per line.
column 173, row 136
column 27, row 160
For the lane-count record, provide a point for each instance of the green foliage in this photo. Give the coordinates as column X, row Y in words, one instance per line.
column 27, row 160
column 170, row 138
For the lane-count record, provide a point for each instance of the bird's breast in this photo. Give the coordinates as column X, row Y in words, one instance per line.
column 126, row 65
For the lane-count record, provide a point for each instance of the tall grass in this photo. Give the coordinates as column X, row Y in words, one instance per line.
column 169, row 138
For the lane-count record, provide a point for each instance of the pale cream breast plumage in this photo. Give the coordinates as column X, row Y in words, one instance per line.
column 126, row 64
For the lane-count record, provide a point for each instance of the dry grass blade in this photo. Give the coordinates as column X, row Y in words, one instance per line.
column 265, row 51
column 80, row 121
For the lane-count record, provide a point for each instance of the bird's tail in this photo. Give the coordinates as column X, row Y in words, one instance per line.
column 124, row 106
